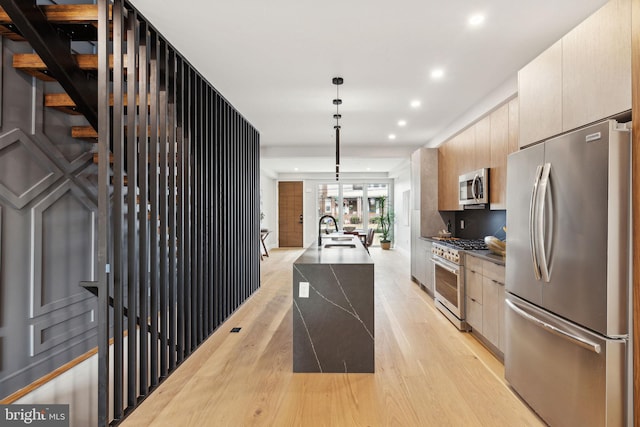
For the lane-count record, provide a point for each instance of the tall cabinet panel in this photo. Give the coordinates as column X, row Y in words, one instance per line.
column 582, row 78
column 596, row 65
column 425, row 218
column 540, row 95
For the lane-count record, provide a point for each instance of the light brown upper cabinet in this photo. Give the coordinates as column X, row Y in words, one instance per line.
column 596, row 66
column 499, row 148
column 482, row 146
column 448, row 167
column 514, row 125
column 540, row 96
column 465, row 153
column 582, row 78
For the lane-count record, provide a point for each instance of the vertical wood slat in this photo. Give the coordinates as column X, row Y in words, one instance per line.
column 198, row 197
column 104, row 136
column 163, row 209
column 132, row 243
column 211, row 193
column 192, row 210
column 143, row 221
column 181, row 232
column 205, row 209
column 118, row 208
column 217, row 210
column 635, row 99
column 171, row 131
column 153, row 193
column 188, row 268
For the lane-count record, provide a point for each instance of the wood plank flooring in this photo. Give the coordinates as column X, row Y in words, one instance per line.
column 427, row 372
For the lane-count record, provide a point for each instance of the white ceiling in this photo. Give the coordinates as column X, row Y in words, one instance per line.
column 274, row 61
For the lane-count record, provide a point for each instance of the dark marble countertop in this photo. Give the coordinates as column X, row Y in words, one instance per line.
column 323, row 255
column 488, row 256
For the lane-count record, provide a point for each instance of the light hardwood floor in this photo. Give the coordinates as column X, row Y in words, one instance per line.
column 427, row 372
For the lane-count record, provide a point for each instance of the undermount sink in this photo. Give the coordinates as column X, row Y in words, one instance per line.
column 340, row 245
column 345, row 239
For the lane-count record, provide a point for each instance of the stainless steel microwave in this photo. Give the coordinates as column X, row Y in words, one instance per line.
column 474, row 187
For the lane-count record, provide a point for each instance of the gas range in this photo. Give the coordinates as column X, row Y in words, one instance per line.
column 450, row 249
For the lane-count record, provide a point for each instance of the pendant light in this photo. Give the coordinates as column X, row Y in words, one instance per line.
column 337, row 102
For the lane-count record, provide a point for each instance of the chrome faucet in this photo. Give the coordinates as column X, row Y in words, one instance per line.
column 335, row 223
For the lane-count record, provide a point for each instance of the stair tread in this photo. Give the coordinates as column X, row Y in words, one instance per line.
column 64, row 103
column 32, row 64
column 90, row 134
column 64, row 14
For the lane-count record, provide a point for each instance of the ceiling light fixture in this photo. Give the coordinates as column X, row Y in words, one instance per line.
column 437, row 73
column 392, row 136
column 402, row 123
column 476, row 19
column 337, row 102
column 415, row 103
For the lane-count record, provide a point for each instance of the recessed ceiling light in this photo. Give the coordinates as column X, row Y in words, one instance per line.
column 415, row 103
column 295, row 169
column 368, row 169
column 475, row 20
column 402, row 123
column 392, row 136
column 437, row 73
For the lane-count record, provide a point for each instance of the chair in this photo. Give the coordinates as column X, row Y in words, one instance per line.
column 369, row 241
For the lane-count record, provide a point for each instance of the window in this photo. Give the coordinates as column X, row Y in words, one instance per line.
column 354, row 206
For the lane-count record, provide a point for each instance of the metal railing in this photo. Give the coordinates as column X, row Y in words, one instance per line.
column 179, row 224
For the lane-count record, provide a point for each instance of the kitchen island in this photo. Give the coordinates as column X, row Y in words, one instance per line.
column 333, row 307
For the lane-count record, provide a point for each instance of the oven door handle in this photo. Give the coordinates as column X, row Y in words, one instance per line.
column 445, row 266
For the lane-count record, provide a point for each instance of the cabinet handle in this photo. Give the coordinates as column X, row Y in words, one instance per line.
column 473, row 299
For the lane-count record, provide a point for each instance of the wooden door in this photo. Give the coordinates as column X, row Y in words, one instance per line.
column 290, row 214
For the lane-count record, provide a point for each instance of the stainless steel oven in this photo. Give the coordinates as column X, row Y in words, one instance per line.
column 448, row 279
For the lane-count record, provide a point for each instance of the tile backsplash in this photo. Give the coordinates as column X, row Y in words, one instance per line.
column 479, row 223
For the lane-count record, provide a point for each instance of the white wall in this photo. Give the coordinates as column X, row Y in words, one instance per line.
column 77, row 387
column 402, row 226
column 269, row 206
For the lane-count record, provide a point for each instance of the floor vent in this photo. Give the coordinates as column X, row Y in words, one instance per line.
column 236, row 329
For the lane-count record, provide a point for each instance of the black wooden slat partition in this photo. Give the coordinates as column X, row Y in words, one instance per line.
column 178, row 232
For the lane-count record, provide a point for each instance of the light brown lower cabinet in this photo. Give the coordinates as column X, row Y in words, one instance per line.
column 485, row 299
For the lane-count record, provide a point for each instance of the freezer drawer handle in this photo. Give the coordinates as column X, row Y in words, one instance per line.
column 556, row 331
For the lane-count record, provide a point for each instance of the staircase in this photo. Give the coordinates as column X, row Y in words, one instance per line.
column 166, row 140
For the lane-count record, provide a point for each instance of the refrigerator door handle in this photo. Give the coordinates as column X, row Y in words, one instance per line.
column 532, row 224
column 541, row 222
column 579, row 341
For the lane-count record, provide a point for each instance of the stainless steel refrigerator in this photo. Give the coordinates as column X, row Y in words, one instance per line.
column 567, row 313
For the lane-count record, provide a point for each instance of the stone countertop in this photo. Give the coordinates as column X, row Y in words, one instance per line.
column 322, row 255
column 488, row 256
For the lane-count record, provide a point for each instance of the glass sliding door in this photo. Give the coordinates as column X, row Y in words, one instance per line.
column 355, row 206
column 352, row 209
column 374, row 193
column 329, row 203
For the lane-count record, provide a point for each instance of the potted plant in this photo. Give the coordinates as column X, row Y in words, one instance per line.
column 385, row 220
